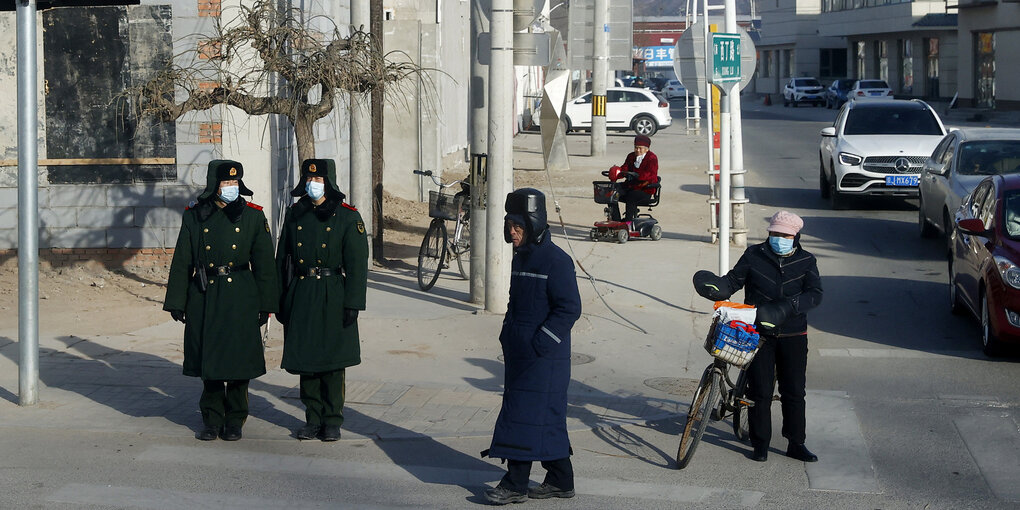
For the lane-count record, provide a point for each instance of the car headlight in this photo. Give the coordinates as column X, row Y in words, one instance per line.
column 1009, row 271
column 850, row 159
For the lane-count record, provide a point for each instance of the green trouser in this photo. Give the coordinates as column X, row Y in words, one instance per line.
column 224, row 402
column 323, row 396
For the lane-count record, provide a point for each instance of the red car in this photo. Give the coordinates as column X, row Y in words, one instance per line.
column 984, row 275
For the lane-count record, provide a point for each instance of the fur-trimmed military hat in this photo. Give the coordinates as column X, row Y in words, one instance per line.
column 224, row 170
column 325, row 168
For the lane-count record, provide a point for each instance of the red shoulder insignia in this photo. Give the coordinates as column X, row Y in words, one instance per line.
column 253, row 206
column 187, row 207
column 349, row 206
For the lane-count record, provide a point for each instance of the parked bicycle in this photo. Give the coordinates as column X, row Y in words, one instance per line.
column 438, row 247
column 730, row 346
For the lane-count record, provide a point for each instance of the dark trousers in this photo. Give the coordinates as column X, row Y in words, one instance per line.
column 559, row 474
column 783, row 359
column 224, row 402
column 323, row 396
column 630, row 197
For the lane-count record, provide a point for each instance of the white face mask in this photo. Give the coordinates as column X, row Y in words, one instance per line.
column 228, row 193
column 315, row 190
column 637, row 160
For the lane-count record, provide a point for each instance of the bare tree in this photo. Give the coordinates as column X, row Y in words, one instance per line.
column 270, row 61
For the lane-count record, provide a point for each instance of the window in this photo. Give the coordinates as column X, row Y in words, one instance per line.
column 931, row 66
column 989, row 157
column 615, row 96
column 907, row 63
column 984, row 62
column 584, row 99
column 977, row 199
column 832, row 62
column 806, row 82
column 861, row 54
column 891, row 121
column 766, row 64
column 882, row 60
column 791, row 67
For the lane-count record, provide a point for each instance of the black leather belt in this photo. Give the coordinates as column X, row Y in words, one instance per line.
column 224, row 270
column 317, row 271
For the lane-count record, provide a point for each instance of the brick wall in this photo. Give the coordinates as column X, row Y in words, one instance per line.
column 109, row 258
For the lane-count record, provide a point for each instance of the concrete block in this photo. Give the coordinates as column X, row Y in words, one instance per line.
column 103, row 217
column 138, row 195
column 58, row 217
column 9, row 218
column 8, row 197
column 80, row 195
column 177, row 198
column 157, row 217
column 136, row 237
column 8, row 238
column 194, row 153
column 72, row 238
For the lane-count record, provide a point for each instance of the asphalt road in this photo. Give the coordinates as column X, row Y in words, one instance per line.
column 903, row 408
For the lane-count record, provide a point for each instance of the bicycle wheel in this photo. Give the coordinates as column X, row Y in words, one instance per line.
column 461, row 247
column 698, row 416
column 740, row 412
column 432, row 254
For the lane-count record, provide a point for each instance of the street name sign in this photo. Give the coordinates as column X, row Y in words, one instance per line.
column 725, row 58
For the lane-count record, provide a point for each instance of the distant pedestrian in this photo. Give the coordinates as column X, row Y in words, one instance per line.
column 322, row 260
column 780, row 278
column 544, row 304
column 223, row 287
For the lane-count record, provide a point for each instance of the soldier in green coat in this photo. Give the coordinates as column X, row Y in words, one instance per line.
column 223, row 287
column 322, row 259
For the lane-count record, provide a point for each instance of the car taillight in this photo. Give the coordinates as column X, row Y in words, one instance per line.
column 860, row 92
column 663, row 104
column 888, row 93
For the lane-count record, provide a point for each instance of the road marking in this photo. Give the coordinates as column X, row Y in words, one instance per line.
column 897, row 353
column 834, row 434
column 995, row 445
column 79, row 494
column 487, row 474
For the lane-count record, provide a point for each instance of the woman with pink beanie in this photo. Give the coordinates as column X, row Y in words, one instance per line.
column 781, row 279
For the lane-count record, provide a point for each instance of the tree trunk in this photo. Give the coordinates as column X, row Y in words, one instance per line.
column 304, row 134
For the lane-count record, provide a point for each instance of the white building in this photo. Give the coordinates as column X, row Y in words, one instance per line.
column 792, row 46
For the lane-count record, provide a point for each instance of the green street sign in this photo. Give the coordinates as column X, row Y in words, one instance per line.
column 725, row 58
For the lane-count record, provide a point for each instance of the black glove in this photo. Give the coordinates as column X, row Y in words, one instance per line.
column 771, row 315
column 177, row 315
column 350, row 317
column 709, row 286
column 263, row 318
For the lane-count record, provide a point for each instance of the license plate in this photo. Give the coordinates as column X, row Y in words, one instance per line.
column 901, row 180
column 876, row 93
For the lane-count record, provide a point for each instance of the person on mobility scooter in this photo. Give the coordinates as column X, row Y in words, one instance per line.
column 641, row 187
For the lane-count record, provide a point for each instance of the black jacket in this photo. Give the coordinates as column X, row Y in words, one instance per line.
column 791, row 283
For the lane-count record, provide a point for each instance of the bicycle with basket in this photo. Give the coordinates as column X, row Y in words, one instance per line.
column 437, row 248
column 732, row 341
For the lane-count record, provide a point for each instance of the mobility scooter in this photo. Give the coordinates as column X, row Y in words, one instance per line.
column 642, row 225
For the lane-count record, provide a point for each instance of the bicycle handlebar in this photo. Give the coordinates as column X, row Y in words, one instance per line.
column 428, row 173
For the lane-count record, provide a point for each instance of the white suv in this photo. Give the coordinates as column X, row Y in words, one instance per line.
column 877, row 148
column 803, row 90
column 642, row 110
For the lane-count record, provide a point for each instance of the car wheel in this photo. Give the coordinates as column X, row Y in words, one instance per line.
column 947, row 227
column 955, row 305
column 566, row 125
column 925, row 228
column 823, row 182
column 644, row 125
column 989, row 342
column 836, row 199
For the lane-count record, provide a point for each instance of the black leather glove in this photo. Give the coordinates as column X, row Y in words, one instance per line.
column 770, row 316
column 709, row 286
column 177, row 315
column 350, row 317
column 263, row 318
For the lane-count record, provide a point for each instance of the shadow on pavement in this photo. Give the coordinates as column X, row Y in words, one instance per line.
column 877, row 237
column 458, row 300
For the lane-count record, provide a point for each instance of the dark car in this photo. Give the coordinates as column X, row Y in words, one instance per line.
column 657, row 82
column 984, row 278
column 835, row 93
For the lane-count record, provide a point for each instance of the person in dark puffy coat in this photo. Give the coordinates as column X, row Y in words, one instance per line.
column 780, row 278
column 544, row 304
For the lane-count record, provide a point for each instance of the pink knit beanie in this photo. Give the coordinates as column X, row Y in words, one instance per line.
column 785, row 222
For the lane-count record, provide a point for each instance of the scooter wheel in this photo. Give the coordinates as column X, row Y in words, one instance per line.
column 656, row 233
column 622, row 235
column 594, row 234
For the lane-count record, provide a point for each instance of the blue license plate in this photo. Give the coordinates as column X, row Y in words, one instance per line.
column 901, row 180
column 876, row 93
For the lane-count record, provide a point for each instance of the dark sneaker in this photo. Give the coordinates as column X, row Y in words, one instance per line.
column 500, row 495
column 801, row 453
column 330, row 432
column 309, row 431
column 231, row 433
column 549, row 491
column 208, row 433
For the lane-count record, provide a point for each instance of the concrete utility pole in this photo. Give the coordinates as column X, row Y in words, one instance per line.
column 500, row 162
column 736, row 141
column 600, row 73
column 378, row 147
column 479, row 144
column 28, row 212
column 361, row 136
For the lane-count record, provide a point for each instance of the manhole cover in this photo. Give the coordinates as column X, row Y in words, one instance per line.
column 673, row 385
column 576, row 358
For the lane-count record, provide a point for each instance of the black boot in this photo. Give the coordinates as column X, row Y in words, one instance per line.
column 208, row 433
column 231, row 433
column 760, row 453
column 309, row 431
column 330, row 433
column 800, row 452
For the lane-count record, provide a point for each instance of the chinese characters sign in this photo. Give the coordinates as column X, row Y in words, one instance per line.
column 656, row 56
column 725, row 58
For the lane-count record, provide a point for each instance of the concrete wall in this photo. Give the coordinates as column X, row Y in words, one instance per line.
column 148, row 214
column 1003, row 19
column 791, row 24
column 426, row 123
column 885, row 19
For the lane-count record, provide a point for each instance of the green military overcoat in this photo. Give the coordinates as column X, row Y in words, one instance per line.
column 330, row 236
column 222, row 340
